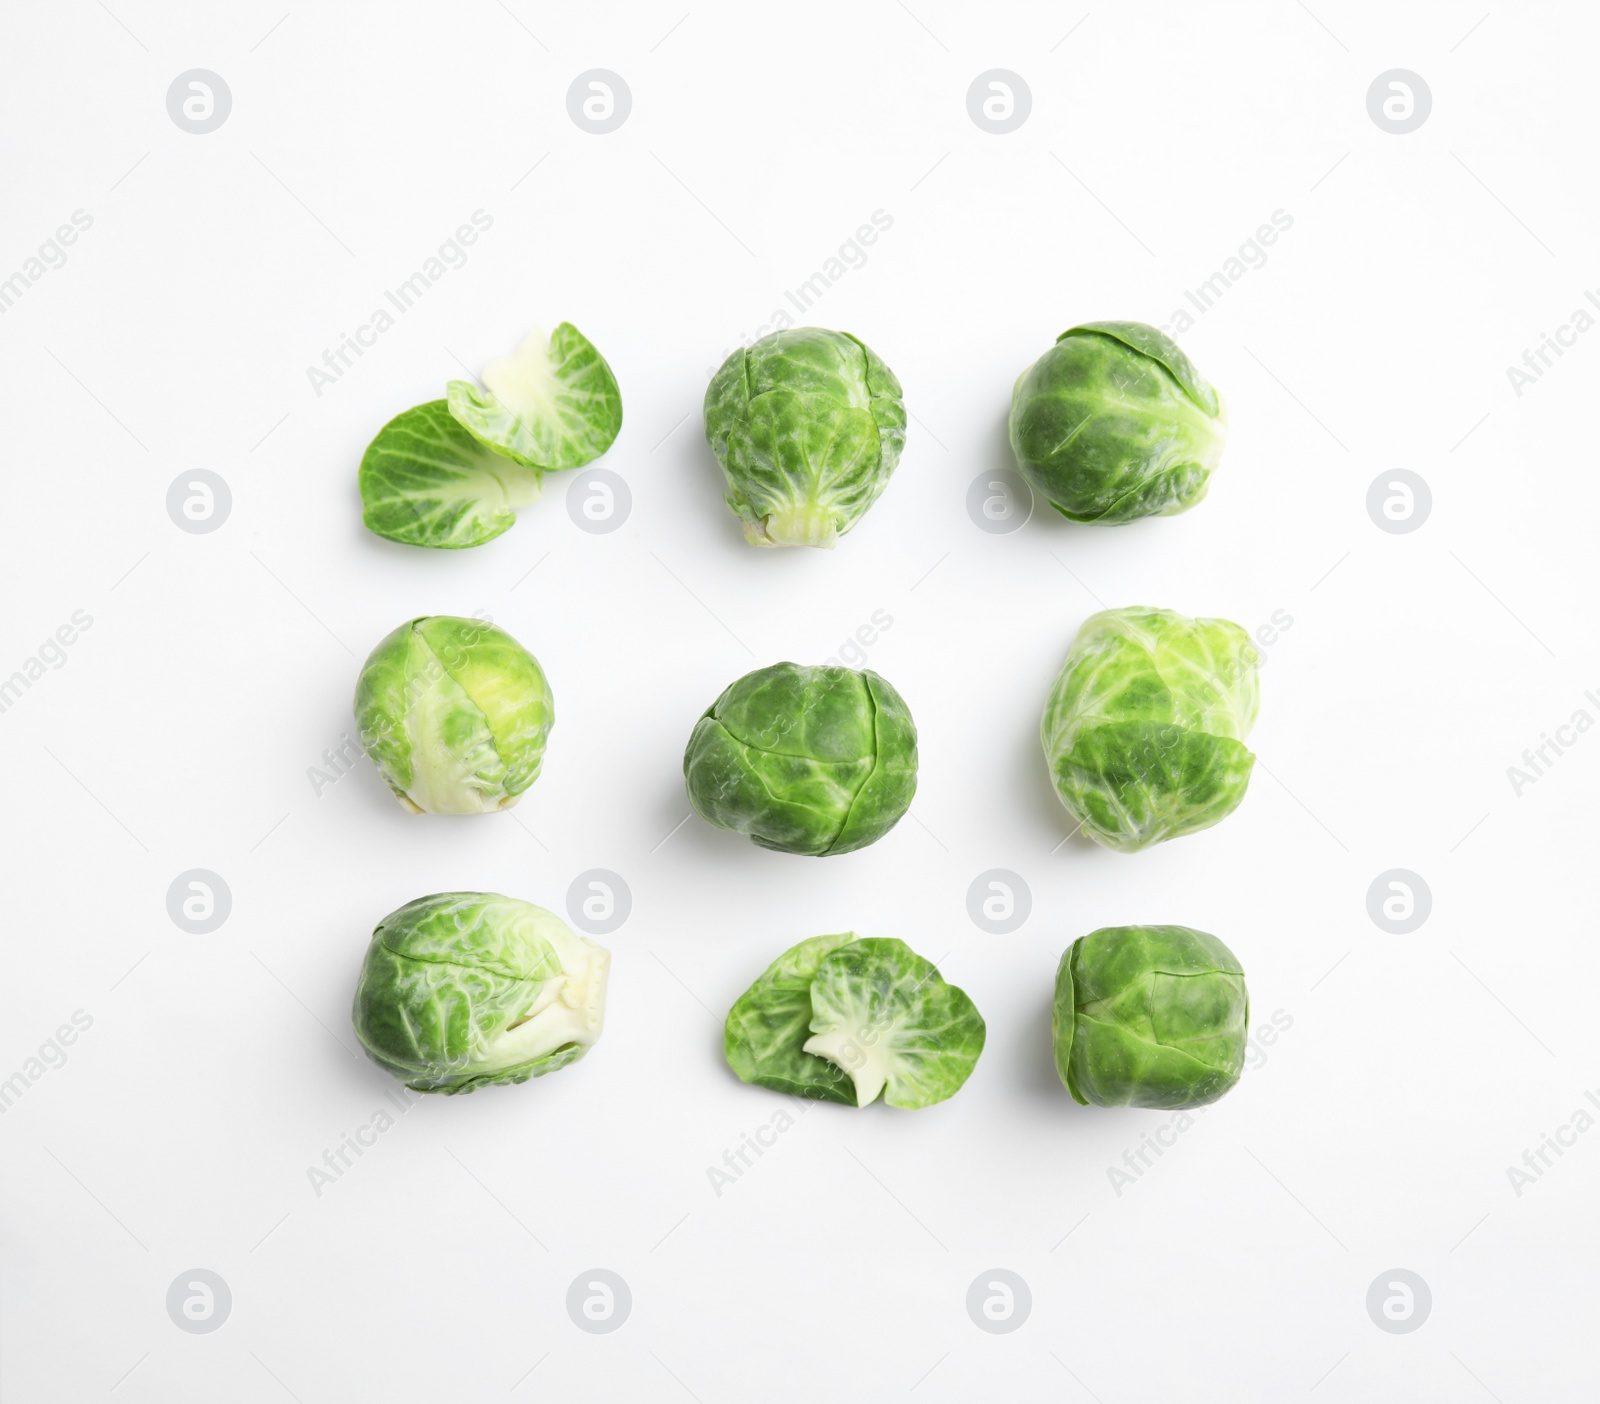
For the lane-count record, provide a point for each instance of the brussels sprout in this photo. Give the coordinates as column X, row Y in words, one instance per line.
column 425, row 481
column 455, row 713
column 1144, row 730
column 804, row 760
column 551, row 404
column 1114, row 423
column 842, row 1019
column 1149, row 1016
column 463, row 990
column 808, row 426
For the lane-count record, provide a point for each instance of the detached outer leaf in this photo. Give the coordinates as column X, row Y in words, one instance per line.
column 425, row 481
column 1144, row 728
column 887, row 1017
column 769, row 1024
column 1150, row 1016
column 550, row 405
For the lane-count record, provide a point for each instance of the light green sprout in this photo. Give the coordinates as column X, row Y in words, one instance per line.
column 454, row 713
column 808, row 426
column 847, row 1019
column 1144, row 729
column 463, row 990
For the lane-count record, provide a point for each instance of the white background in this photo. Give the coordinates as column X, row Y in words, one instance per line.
column 1375, row 1134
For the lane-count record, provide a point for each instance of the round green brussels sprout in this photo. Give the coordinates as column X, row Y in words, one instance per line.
column 804, row 760
column 808, row 426
column 1149, row 1016
column 455, row 713
column 845, row 1019
column 1144, row 730
column 1114, row 423
column 463, row 990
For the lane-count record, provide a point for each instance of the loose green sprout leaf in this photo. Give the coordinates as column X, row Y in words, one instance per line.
column 551, row 404
column 884, row 1015
column 808, row 426
column 839, row 1019
column 455, row 713
column 1144, row 729
column 769, row 1024
column 1114, row 423
column 463, row 990
column 804, row 760
column 425, row 481
column 1149, row 1016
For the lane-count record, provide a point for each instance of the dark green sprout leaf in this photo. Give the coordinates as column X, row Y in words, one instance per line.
column 884, row 1015
column 844, row 1020
column 769, row 1023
